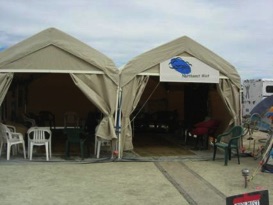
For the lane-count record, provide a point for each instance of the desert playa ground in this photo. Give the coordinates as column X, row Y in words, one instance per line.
column 187, row 179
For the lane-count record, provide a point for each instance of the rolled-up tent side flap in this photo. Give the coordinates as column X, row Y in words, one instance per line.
column 5, row 81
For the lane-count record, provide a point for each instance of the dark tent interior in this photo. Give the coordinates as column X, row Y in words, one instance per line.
column 45, row 98
column 164, row 112
column 167, row 109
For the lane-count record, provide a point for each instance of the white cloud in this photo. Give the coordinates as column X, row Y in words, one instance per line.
column 239, row 31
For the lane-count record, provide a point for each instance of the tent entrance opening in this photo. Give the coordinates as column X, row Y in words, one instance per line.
column 172, row 109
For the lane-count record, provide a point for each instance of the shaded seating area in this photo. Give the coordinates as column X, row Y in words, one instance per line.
column 76, row 136
column 42, row 119
column 62, row 142
column 159, row 121
column 229, row 141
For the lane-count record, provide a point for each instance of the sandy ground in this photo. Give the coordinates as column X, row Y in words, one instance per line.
column 169, row 180
column 97, row 183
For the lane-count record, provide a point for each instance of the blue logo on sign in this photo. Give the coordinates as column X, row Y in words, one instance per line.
column 180, row 65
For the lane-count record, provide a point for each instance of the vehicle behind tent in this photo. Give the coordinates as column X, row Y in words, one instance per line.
column 254, row 91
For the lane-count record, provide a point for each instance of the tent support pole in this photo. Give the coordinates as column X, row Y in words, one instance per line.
column 117, row 120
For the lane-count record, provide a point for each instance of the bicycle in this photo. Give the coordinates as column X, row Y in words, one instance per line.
column 251, row 124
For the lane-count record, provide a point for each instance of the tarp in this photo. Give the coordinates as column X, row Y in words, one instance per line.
column 53, row 51
column 263, row 107
column 132, row 80
column 265, row 110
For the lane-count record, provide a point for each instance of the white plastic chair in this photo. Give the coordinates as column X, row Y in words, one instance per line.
column 104, row 142
column 39, row 136
column 9, row 136
column 15, row 147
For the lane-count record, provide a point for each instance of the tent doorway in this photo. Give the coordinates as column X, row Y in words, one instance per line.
column 32, row 93
column 36, row 93
column 165, row 110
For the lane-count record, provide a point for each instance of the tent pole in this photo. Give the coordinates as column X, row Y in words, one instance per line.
column 115, row 122
column 119, row 122
column 117, row 119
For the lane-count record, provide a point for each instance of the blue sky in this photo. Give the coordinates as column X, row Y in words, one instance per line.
column 240, row 31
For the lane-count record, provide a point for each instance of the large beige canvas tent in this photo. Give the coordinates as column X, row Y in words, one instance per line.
column 135, row 76
column 55, row 52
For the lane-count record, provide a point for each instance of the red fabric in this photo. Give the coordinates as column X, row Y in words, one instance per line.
column 203, row 128
column 207, row 124
column 200, row 131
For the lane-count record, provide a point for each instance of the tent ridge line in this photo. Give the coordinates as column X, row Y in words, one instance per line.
column 47, row 44
column 26, row 54
column 47, row 71
column 74, row 54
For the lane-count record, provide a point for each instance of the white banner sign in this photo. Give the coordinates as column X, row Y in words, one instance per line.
column 187, row 69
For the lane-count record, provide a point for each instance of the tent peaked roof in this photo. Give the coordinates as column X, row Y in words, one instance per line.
column 177, row 47
column 52, row 50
